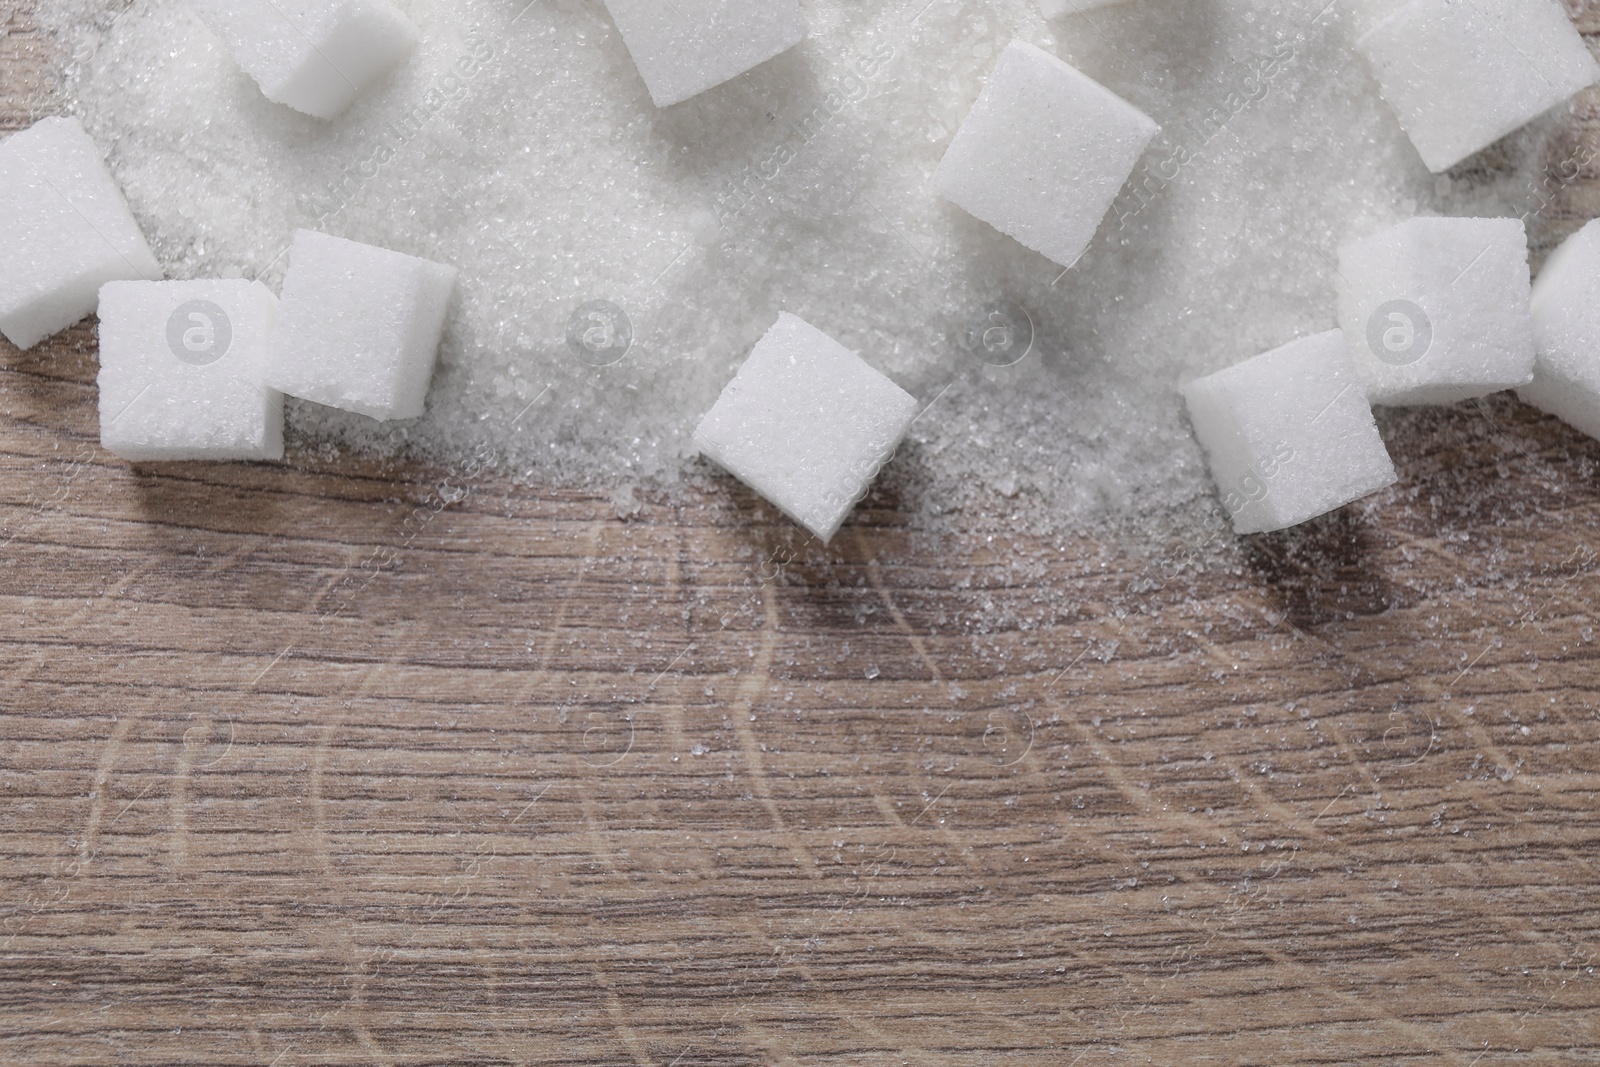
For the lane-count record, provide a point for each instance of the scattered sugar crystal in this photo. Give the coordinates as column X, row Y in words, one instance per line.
column 1043, row 153
column 66, row 231
column 1057, row 8
column 510, row 146
column 359, row 327
column 180, row 371
column 1289, row 434
column 316, row 56
column 1435, row 310
column 807, row 424
column 685, row 47
column 1566, row 318
column 1461, row 74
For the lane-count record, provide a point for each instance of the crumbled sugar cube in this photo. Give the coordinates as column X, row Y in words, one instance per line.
column 807, row 424
column 1566, row 322
column 1289, row 434
column 1436, row 310
column 1043, row 153
column 64, row 231
column 685, row 47
column 316, row 56
column 1056, row 8
column 359, row 326
column 1461, row 74
column 180, row 371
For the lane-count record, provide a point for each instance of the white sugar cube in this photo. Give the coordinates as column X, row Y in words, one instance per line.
column 1289, row 434
column 64, row 231
column 685, row 47
column 359, row 326
column 1043, row 153
column 1566, row 319
column 1461, row 74
column 807, row 424
column 180, row 371
column 316, row 56
column 1056, row 8
column 1436, row 310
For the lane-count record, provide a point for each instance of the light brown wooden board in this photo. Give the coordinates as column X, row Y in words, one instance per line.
column 300, row 765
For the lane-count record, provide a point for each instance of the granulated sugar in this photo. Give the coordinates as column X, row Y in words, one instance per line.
column 519, row 144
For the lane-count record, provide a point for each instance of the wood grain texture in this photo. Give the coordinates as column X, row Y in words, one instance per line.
column 342, row 762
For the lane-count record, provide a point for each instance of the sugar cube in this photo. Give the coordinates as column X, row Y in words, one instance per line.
column 316, row 56
column 1043, row 153
column 1566, row 321
column 359, row 326
column 67, row 231
column 807, row 424
column 1461, row 74
column 180, row 371
column 685, row 47
column 1289, row 434
column 1436, row 310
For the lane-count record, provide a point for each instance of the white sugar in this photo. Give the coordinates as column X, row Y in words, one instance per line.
column 66, row 231
column 517, row 143
column 180, row 371
column 359, row 327
column 1289, row 434
column 316, row 56
column 806, row 423
column 1057, row 8
column 1461, row 74
column 1043, row 153
column 1436, row 310
column 1566, row 315
column 685, row 47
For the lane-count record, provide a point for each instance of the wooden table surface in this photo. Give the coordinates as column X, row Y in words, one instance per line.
column 345, row 763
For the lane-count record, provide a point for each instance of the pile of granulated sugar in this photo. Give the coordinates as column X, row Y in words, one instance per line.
column 520, row 145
